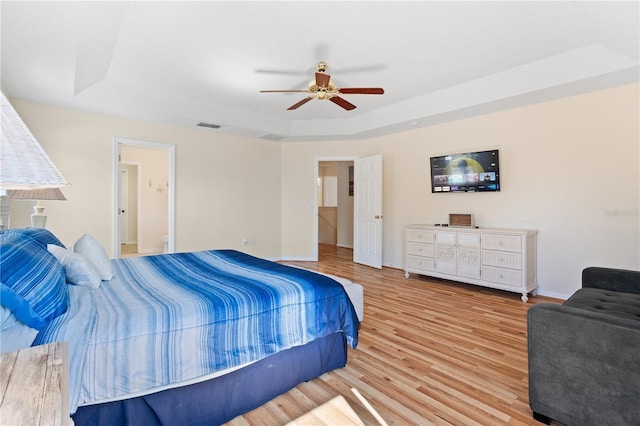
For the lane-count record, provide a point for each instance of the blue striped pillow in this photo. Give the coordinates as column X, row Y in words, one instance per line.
column 32, row 281
column 42, row 235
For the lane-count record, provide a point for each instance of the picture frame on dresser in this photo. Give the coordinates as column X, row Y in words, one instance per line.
column 503, row 259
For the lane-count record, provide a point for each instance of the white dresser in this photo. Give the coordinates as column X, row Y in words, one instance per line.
column 504, row 259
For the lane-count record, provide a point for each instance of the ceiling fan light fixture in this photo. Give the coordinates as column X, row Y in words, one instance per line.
column 322, row 88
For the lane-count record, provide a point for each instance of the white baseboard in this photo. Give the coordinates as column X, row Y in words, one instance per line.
column 552, row 294
column 345, row 246
column 150, row 250
column 297, row 259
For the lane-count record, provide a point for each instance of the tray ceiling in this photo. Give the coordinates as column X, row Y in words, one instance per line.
column 183, row 63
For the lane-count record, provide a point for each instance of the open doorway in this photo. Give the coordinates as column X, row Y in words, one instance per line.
column 144, row 197
column 334, row 202
column 128, row 215
column 359, row 211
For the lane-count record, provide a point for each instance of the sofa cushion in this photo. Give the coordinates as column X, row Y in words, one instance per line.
column 607, row 302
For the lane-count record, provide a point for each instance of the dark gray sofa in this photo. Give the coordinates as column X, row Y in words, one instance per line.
column 584, row 355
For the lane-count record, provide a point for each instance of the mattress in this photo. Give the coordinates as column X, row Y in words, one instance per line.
column 354, row 291
column 167, row 320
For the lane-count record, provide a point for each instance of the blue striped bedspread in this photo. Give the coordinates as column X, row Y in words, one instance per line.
column 171, row 318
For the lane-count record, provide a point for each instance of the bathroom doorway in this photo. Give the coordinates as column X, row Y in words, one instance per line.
column 145, row 211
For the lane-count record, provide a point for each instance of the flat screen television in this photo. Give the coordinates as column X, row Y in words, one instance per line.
column 467, row 172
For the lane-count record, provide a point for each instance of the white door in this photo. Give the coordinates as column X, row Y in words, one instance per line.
column 124, row 205
column 368, row 211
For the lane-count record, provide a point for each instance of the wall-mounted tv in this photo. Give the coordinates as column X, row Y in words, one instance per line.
column 467, row 172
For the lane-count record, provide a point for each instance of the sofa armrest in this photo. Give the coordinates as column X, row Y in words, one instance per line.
column 584, row 366
column 611, row 279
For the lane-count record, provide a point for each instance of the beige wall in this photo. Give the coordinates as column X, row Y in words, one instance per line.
column 569, row 168
column 227, row 187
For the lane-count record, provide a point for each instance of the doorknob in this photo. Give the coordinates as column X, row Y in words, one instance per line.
column 378, row 216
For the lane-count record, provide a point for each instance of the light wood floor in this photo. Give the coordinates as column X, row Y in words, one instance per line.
column 128, row 250
column 430, row 352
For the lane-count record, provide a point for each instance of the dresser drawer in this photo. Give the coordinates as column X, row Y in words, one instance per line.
column 503, row 259
column 446, row 238
column 502, row 242
column 421, row 263
column 419, row 249
column 509, row 277
column 419, row 235
column 468, row 240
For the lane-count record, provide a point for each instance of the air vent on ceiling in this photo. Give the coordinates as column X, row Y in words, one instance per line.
column 209, row 125
column 273, row 137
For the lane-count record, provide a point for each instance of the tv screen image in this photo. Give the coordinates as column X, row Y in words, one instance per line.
column 467, row 172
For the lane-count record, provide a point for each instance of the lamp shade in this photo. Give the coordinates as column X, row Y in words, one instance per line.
column 23, row 162
column 37, row 194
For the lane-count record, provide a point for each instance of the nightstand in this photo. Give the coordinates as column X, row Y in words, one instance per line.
column 34, row 386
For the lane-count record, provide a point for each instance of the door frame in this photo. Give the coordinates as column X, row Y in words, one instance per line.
column 118, row 142
column 316, row 209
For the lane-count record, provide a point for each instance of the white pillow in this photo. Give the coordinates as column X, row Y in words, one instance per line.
column 90, row 248
column 77, row 268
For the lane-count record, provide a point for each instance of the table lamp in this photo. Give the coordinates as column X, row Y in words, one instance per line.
column 38, row 218
column 23, row 163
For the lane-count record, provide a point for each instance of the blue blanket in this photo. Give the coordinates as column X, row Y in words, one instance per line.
column 167, row 319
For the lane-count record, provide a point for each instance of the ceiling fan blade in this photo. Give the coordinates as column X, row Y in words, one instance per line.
column 322, row 79
column 362, row 90
column 299, row 104
column 343, row 103
column 364, row 68
column 284, row 91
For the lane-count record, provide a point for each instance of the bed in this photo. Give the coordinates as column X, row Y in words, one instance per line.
column 183, row 338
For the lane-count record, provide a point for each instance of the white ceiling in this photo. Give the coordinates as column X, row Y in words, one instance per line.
column 206, row 61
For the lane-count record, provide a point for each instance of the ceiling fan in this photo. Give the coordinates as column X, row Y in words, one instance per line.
column 323, row 88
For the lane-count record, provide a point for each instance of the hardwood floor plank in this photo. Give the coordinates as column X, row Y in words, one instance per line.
column 431, row 352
